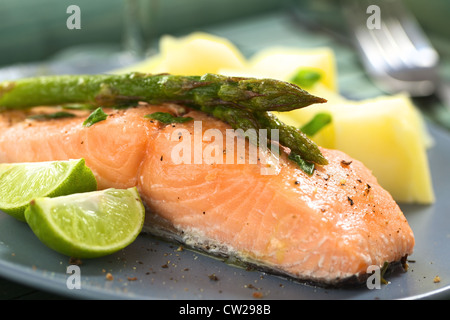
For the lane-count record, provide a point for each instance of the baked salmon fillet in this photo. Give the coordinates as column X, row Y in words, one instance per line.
column 326, row 228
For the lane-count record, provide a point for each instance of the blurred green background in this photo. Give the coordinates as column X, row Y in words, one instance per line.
column 33, row 30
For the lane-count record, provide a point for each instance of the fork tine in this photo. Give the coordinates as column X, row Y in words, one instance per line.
column 415, row 49
column 425, row 55
column 385, row 39
column 404, row 46
column 397, row 54
column 371, row 49
column 387, row 44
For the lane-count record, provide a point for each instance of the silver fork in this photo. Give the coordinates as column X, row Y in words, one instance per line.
column 397, row 55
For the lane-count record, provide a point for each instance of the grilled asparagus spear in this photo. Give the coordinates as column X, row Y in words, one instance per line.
column 242, row 102
column 117, row 90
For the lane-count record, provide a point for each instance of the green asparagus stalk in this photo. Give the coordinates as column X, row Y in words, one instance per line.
column 288, row 136
column 117, row 90
column 242, row 102
column 292, row 137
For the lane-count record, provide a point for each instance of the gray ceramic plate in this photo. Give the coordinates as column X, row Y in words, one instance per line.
column 153, row 269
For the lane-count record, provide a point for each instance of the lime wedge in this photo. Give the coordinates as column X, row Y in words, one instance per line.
column 21, row 182
column 90, row 224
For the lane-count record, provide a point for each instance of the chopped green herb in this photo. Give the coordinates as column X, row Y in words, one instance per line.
column 319, row 121
column 55, row 115
column 306, row 166
column 167, row 118
column 96, row 116
column 383, row 271
column 306, row 77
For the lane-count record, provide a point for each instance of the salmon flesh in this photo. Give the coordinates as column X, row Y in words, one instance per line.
column 326, row 228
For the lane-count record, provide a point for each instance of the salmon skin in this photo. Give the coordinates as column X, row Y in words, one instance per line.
column 327, row 228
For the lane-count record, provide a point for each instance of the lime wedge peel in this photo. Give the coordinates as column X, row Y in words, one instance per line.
column 88, row 225
column 22, row 182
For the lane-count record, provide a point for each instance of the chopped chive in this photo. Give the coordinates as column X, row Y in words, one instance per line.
column 306, row 166
column 306, row 77
column 96, row 116
column 167, row 118
column 319, row 121
column 383, row 271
